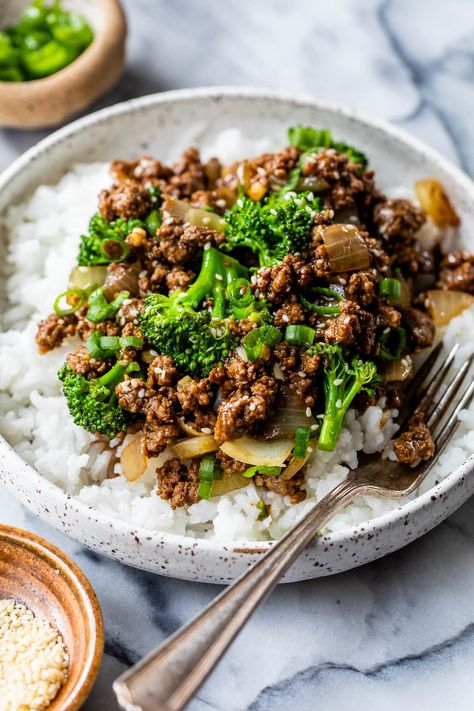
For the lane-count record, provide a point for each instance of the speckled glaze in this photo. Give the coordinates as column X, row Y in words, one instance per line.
column 154, row 124
column 39, row 575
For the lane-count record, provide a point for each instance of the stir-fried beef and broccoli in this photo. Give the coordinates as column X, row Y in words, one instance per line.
column 231, row 315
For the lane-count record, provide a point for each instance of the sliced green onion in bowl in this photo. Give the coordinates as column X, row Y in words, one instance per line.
column 153, row 222
column 391, row 288
column 320, row 309
column 209, row 470
column 392, row 342
column 131, row 342
column 300, row 336
column 302, row 436
column 254, row 342
column 261, row 469
column 114, row 250
column 69, row 302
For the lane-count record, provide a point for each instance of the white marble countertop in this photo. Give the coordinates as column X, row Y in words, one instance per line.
column 398, row 633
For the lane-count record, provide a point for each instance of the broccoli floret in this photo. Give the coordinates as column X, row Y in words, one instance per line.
column 273, row 228
column 93, row 403
column 342, row 382
column 105, row 242
column 174, row 325
column 309, row 140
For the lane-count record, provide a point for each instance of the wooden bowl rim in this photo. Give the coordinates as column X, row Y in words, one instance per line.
column 110, row 32
column 76, row 579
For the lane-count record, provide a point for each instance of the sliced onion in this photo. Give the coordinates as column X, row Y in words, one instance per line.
column 185, row 212
column 134, row 459
column 148, row 356
column 397, row 370
column 435, row 202
column 183, row 381
column 443, row 305
column 286, row 418
column 404, row 300
column 228, row 483
column 123, row 277
column 195, row 447
column 298, row 463
column 346, row 248
column 190, row 431
column 253, row 451
column 85, row 277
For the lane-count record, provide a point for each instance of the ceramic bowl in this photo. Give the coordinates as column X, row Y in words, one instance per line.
column 154, row 124
column 49, row 101
column 40, row 576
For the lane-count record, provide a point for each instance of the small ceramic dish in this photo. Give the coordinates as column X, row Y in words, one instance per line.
column 39, row 575
column 162, row 125
column 52, row 100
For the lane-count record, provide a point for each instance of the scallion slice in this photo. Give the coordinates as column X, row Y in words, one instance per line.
column 101, row 347
column 300, row 336
column 391, row 288
column 114, row 250
column 302, row 435
column 209, row 470
column 261, row 469
column 153, row 222
column 320, row 308
column 70, row 301
column 131, row 342
column 392, row 342
column 239, row 293
column 255, row 341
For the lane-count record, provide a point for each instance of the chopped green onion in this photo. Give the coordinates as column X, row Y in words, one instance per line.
column 255, row 341
column 153, row 222
column 300, row 336
column 100, row 309
column 263, row 510
column 261, row 469
column 131, row 342
column 209, row 469
column 301, row 442
column 114, row 250
column 74, row 298
column 101, row 347
column 319, row 309
column 239, row 293
column 392, row 342
column 390, row 288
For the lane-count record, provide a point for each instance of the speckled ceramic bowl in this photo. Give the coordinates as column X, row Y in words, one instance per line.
column 153, row 124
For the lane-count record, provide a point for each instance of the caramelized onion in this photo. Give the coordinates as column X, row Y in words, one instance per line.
column 122, row 277
column 185, row 212
column 195, row 447
column 298, row 463
column 346, row 248
column 444, row 305
column 435, row 202
column 188, row 430
column 398, row 369
column 272, row 452
column 228, row 483
column 286, row 418
column 134, row 459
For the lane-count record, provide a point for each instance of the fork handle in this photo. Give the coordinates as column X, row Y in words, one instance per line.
column 168, row 678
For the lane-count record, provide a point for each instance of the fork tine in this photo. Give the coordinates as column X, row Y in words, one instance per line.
column 452, row 423
column 437, row 410
column 416, row 385
column 424, row 397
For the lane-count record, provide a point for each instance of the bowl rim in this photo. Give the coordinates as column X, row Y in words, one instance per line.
column 83, row 588
column 382, row 521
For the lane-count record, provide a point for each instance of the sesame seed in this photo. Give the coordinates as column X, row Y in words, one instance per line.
column 339, row 404
column 206, row 430
column 221, row 203
column 141, row 393
column 338, row 381
column 207, row 246
column 308, row 412
column 314, row 427
column 252, row 406
column 219, row 277
column 285, row 318
column 206, row 220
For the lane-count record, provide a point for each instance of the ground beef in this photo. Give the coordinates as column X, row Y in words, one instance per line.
column 244, row 408
column 195, row 394
column 85, row 327
column 127, row 200
column 179, row 279
column 293, row 488
column 416, row 443
column 361, row 288
column 182, row 244
column 277, row 283
column 229, row 465
column 161, row 372
column 128, row 312
column 152, row 278
column 52, row 331
column 157, row 437
column 420, row 328
column 121, row 277
column 457, row 271
column 388, row 316
column 178, row 484
column 290, row 313
column 352, row 327
column 82, row 364
column 412, row 259
column 145, row 169
column 320, row 265
column 398, row 220
column 134, row 395
column 299, row 372
column 190, row 175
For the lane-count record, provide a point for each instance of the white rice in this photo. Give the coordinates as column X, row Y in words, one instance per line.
column 43, row 234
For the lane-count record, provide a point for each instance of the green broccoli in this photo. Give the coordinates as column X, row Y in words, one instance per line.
column 309, row 140
column 105, row 242
column 93, row 403
column 342, row 382
column 279, row 225
column 174, row 325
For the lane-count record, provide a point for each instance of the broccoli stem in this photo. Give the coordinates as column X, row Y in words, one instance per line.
column 114, row 376
column 334, row 415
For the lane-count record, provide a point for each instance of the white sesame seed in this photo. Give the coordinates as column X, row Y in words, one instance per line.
column 320, row 417
column 221, row 203
column 219, row 277
column 206, row 430
column 207, row 246
column 308, row 412
column 252, row 406
column 338, row 381
column 141, row 393
column 339, row 404
column 314, row 427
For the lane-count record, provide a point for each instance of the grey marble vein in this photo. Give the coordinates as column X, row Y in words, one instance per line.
column 396, row 633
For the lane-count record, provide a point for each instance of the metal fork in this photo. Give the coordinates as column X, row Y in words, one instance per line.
column 168, row 678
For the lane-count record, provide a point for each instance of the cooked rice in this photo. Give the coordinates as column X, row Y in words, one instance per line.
column 44, row 234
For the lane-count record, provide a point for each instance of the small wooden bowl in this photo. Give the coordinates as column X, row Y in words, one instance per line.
column 49, row 101
column 41, row 577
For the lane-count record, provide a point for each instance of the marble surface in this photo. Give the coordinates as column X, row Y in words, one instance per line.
column 396, row 633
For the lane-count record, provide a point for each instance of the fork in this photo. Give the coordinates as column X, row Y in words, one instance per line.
column 168, row 678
